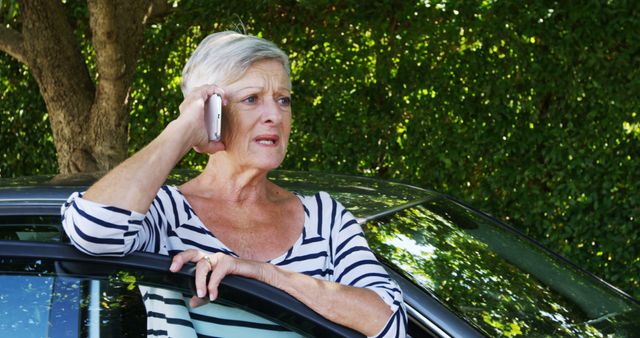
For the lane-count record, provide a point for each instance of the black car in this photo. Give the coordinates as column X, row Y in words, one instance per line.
column 463, row 273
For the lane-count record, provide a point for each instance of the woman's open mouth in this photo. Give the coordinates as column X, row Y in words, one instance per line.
column 267, row 140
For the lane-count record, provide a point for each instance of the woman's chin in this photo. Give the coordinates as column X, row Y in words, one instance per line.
column 266, row 164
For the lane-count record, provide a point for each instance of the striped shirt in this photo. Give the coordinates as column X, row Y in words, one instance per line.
column 331, row 247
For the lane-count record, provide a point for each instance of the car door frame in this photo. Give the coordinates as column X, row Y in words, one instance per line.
column 265, row 297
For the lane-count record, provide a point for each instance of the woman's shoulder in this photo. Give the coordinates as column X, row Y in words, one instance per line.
column 317, row 197
column 169, row 191
column 321, row 202
column 169, row 197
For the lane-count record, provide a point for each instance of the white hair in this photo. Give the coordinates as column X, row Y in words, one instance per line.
column 222, row 58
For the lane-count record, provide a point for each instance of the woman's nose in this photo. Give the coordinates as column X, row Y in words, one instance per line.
column 272, row 112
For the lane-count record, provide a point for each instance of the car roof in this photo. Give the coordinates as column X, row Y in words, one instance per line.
column 365, row 197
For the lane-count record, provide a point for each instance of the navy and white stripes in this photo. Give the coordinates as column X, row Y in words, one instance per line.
column 169, row 316
column 331, row 246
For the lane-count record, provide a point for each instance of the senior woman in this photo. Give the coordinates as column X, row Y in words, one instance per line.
column 231, row 219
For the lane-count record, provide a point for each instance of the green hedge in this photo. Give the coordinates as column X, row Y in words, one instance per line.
column 527, row 111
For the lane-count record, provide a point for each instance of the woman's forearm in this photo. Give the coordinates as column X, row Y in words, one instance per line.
column 134, row 183
column 357, row 308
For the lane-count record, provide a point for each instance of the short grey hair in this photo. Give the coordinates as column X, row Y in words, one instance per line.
column 222, row 58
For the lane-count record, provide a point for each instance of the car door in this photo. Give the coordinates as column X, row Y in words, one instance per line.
column 52, row 290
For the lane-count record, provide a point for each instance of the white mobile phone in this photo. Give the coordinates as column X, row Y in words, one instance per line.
column 213, row 117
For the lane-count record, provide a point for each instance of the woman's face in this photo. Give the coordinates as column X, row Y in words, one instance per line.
column 256, row 130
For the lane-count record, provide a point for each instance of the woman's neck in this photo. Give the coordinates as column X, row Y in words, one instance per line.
column 221, row 179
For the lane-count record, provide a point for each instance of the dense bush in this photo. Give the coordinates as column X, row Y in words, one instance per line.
column 528, row 111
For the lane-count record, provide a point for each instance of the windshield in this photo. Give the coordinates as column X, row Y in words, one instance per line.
column 496, row 279
column 363, row 196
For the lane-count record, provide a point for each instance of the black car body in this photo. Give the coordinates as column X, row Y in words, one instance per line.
column 463, row 273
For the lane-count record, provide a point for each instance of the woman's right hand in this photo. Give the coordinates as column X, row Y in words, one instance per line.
column 134, row 183
column 192, row 115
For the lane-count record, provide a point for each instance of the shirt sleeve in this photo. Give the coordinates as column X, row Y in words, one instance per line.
column 104, row 230
column 355, row 265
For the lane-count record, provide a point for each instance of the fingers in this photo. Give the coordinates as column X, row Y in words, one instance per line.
column 202, row 271
column 219, row 265
column 211, row 89
column 214, row 266
column 192, row 114
column 210, row 147
column 201, row 94
column 183, row 257
column 222, row 265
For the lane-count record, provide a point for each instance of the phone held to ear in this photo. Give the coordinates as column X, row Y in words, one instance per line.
column 213, row 117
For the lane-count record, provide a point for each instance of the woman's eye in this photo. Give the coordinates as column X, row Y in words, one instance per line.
column 285, row 101
column 250, row 99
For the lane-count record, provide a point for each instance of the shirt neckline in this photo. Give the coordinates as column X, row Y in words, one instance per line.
column 274, row 260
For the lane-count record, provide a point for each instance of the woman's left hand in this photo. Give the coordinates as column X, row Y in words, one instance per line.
column 336, row 302
column 218, row 264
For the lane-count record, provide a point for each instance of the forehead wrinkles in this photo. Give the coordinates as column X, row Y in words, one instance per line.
column 268, row 77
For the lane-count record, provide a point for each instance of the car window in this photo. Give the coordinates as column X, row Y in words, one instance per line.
column 31, row 228
column 496, row 279
column 66, row 298
column 49, row 306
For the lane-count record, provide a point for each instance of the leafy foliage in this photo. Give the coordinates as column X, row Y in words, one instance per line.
column 26, row 143
column 528, row 111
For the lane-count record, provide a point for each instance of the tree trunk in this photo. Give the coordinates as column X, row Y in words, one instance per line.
column 54, row 58
column 117, row 28
column 89, row 120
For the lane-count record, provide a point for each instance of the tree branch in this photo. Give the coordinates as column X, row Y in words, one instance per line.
column 117, row 28
column 12, row 43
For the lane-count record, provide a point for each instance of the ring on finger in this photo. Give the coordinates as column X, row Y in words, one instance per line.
column 208, row 259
